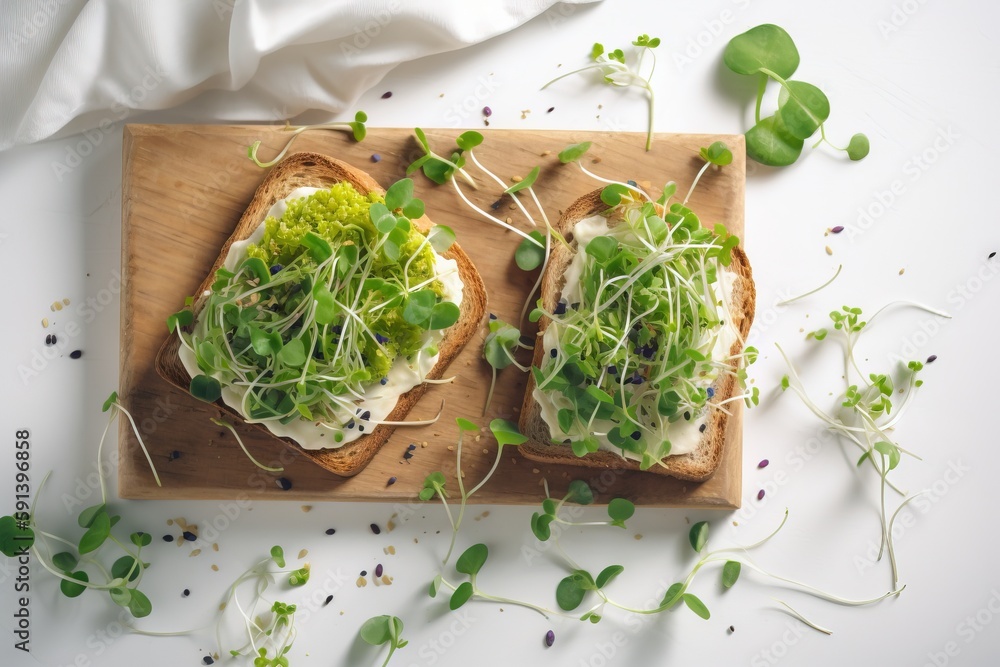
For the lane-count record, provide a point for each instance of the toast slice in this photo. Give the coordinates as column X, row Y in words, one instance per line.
column 320, row 171
column 697, row 465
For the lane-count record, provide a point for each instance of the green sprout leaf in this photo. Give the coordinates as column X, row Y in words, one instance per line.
column 576, row 151
column 472, row 559
column 718, row 154
column 612, row 194
column 111, row 400
column 858, row 147
column 506, row 433
column 71, row 589
column 121, row 595
column 205, row 388
column 278, row 556
column 530, row 254
column 541, row 526
column 608, row 575
column 96, row 534
column 441, row 238
column 764, row 47
column 376, row 630
column 767, row 144
column 569, row 593
column 466, row 425
column 443, row 315
column 524, row 183
column 461, row 595
column 64, row 561
column 16, row 536
column 730, row 573
column 579, row 492
column 126, row 567
column 890, row 450
column 182, row 318
column 803, row 108
column 139, row 604
column 299, row 577
column 435, row 586
column 469, row 140
column 399, row 194
column 696, row 605
column 620, row 510
column 698, row 535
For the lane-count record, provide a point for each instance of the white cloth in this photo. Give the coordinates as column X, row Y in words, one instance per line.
column 70, row 65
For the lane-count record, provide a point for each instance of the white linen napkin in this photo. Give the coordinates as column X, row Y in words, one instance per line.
column 71, row 65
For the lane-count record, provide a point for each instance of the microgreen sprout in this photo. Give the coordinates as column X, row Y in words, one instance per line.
column 77, row 563
column 356, row 126
column 320, row 310
column 866, row 414
column 769, row 53
column 624, row 70
column 501, row 344
column 579, row 492
column 380, row 630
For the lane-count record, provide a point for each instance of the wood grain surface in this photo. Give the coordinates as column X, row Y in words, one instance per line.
column 184, row 190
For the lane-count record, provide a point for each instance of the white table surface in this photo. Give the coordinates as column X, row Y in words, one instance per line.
column 922, row 91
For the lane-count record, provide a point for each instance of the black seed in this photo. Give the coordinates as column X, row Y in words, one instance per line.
column 551, row 109
column 387, row 94
column 375, row 528
column 186, row 592
column 492, row 316
column 613, row 370
column 687, row 415
column 411, row 447
column 553, row 353
column 560, row 308
column 329, row 599
column 407, row 455
column 931, row 358
column 378, row 570
column 350, row 424
column 525, row 340
column 331, row 531
column 76, row 354
column 189, row 536
column 383, row 381
column 575, row 306
column 283, row 483
column 174, row 455
column 361, row 429
column 731, row 630
column 495, row 205
column 992, row 255
column 702, row 427
column 168, row 538
column 392, row 480
column 636, row 435
column 208, row 660
column 276, row 268
column 632, row 183
column 376, row 157
column 364, row 573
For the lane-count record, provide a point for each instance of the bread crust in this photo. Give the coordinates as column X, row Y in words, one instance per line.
column 697, row 465
column 315, row 170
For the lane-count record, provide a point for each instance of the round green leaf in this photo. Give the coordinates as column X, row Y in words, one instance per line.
column 121, row 595
column 579, row 492
column 71, row 589
column 602, row 248
column 608, row 574
column 858, row 148
column 530, row 254
column 569, row 594
column 278, row 556
column 88, row 515
column 730, row 573
column 718, row 153
column 65, row 561
column 16, row 537
column 764, row 47
column 472, row 559
column 696, row 605
column 466, row 425
column 419, row 306
column 803, row 108
column 139, row 604
column 461, row 595
column 96, row 534
column 181, row 318
column 435, row 586
column 698, row 535
column 326, row 312
column 506, row 432
column 767, row 145
column 541, row 526
column 672, row 592
column 575, row 152
column 293, row 353
column 612, row 194
column 620, row 509
column 469, row 140
column 121, row 568
column 443, row 315
column 265, row 344
column 376, row 630
column 205, row 388
column 399, row 194
column 441, row 237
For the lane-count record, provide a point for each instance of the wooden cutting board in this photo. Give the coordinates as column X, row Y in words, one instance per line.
column 184, row 189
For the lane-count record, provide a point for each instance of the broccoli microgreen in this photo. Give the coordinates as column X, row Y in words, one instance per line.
column 318, row 312
column 866, row 414
column 502, row 341
column 623, row 70
column 769, row 53
column 356, row 126
column 21, row 534
column 380, row 630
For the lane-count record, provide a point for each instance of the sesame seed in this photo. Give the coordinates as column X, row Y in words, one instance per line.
column 702, row 428
column 829, row 250
column 376, row 157
column 186, row 592
column 837, row 229
column 328, row 600
column 76, row 354
column 331, row 531
column 550, row 110
column 760, row 494
column 168, row 538
column 763, row 464
column 387, row 94
column 392, row 480
column 208, row 660
column 375, row 528
column 931, row 358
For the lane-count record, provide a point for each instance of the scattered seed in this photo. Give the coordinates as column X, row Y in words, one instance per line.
column 487, row 112
column 524, row 113
column 391, row 550
column 283, row 483
column 306, row 508
column 387, row 94
column 375, row 528
column 45, row 322
column 215, row 568
column 829, row 250
column 186, row 592
column 196, row 552
column 763, row 463
column 550, row 638
column 56, row 306
column 760, row 494
column 392, row 480
column 992, row 255
column 550, row 110
column 208, row 660
column 702, row 428
column 215, row 546
column 362, row 582
column 331, row 531
column 638, row 536
column 65, row 302
column 535, row 471
column 303, row 553
column 328, row 600
column 931, row 358
column 378, row 570
column 730, row 629
column 901, row 271
column 50, row 339
column 76, row 354
column 386, row 580
column 189, row 536
column 837, row 229
column 168, row 538
column 174, row 455
column 376, row 157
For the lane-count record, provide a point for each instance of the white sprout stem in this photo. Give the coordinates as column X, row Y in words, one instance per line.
column 239, row 440
column 493, row 469
column 415, row 422
column 614, row 65
column 499, row 181
column 513, row 360
column 812, row 291
column 538, row 281
column 913, row 304
column 594, row 176
column 100, row 468
column 802, row 618
column 694, row 184
column 461, row 492
column 135, row 429
column 758, row 542
column 490, row 217
column 821, row 594
column 489, row 395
